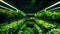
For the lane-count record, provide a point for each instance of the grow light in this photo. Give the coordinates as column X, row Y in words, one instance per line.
column 55, row 8
column 4, row 7
column 51, row 6
column 9, row 5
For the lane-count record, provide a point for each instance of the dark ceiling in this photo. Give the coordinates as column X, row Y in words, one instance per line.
column 30, row 6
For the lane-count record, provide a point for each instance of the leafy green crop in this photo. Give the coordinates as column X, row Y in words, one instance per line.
column 48, row 15
column 14, row 22
column 10, row 15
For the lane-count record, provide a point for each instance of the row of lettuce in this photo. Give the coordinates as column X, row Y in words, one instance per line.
column 12, row 28
column 40, row 27
column 48, row 27
column 8, row 15
column 20, row 26
column 49, row 15
column 50, row 22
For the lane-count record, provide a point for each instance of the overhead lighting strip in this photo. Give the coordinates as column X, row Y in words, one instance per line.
column 55, row 8
column 50, row 6
column 9, row 5
column 5, row 7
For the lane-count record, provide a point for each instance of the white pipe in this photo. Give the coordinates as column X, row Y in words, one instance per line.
column 55, row 8
column 8, row 5
column 51, row 6
column 4, row 7
column 0, row 0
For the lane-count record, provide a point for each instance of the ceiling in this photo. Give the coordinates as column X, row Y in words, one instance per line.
column 30, row 6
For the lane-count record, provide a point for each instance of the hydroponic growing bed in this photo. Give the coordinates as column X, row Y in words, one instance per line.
column 30, row 17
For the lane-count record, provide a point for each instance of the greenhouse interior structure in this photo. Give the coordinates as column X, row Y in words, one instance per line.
column 29, row 16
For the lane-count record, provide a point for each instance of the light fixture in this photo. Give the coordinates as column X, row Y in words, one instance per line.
column 50, row 6
column 5, row 7
column 54, row 8
column 9, row 5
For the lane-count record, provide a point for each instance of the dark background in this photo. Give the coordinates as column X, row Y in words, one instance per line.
column 29, row 6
